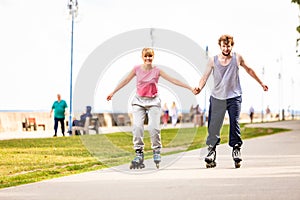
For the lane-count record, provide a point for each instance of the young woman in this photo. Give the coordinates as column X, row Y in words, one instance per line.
column 147, row 101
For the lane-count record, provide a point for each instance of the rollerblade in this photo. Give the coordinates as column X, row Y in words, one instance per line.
column 236, row 155
column 156, row 158
column 210, row 159
column 138, row 161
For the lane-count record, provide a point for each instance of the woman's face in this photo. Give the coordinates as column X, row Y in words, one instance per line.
column 147, row 58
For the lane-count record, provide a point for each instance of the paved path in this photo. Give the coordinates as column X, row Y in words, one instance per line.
column 270, row 170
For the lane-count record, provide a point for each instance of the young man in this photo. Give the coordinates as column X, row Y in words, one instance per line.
column 226, row 95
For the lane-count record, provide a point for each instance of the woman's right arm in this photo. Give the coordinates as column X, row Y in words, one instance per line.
column 124, row 82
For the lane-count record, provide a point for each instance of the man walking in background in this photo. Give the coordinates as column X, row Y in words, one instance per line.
column 251, row 114
column 59, row 108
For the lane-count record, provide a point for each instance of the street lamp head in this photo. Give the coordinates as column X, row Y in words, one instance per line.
column 73, row 7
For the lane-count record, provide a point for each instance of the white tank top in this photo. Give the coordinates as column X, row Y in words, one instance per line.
column 226, row 79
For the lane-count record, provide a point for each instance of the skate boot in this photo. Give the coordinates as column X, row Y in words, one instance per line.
column 236, row 155
column 138, row 161
column 156, row 158
column 210, row 159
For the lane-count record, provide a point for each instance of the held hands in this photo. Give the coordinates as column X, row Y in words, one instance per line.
column 196, row 90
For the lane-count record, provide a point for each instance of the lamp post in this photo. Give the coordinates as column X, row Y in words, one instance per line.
column 73, row 9
column 262, row 98
column 204, row 110
column 280, row 91
column 292, row 96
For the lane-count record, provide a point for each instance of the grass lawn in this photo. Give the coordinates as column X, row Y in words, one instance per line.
column 30, row 160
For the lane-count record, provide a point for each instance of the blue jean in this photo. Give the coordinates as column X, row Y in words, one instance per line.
column 217, row 110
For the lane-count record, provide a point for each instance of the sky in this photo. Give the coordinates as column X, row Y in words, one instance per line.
column 35, row 46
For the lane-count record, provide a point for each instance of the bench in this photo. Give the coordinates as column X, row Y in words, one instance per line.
column 91, row 123
column 30, row 123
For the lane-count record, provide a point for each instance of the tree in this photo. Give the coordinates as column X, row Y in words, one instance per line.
column 297, row 2
column 298, row 28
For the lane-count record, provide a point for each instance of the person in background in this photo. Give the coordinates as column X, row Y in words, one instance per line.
column 59, row 108
column 251, row 113
column 174, row 114
column 198, row 121
column 165, row 117
column 78, row 125
column 268, row 113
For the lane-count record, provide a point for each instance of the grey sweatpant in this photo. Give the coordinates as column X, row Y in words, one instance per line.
column 140, row 107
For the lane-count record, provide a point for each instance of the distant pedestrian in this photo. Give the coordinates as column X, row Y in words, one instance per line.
column 165, row 117
column 174, row 114
column 78, row 125
column 226, row 95
column 198, row 120
column 59, row 108
column 251, row 113
column 147, row 101
column 192, row 113
column 268, row 113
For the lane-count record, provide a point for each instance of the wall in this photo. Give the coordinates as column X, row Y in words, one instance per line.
column 12, row 121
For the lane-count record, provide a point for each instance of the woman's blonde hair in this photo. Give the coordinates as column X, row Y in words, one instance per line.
column 147, row 51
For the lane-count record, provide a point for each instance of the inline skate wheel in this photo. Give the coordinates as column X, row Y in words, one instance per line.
column 211, row 165
column 237, row 164
column 136, row 166
column 142, row 166
column 157, row 165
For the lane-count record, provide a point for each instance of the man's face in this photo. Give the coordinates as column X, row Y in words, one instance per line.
column 226, row 48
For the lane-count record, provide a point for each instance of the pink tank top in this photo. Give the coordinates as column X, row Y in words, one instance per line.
column 146, row 81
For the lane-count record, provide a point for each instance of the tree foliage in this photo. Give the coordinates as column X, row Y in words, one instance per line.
column 297, row 2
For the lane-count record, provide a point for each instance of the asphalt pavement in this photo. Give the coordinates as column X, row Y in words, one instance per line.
column 270, row 170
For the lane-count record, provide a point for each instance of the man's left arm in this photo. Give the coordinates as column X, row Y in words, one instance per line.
column 251, row 72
